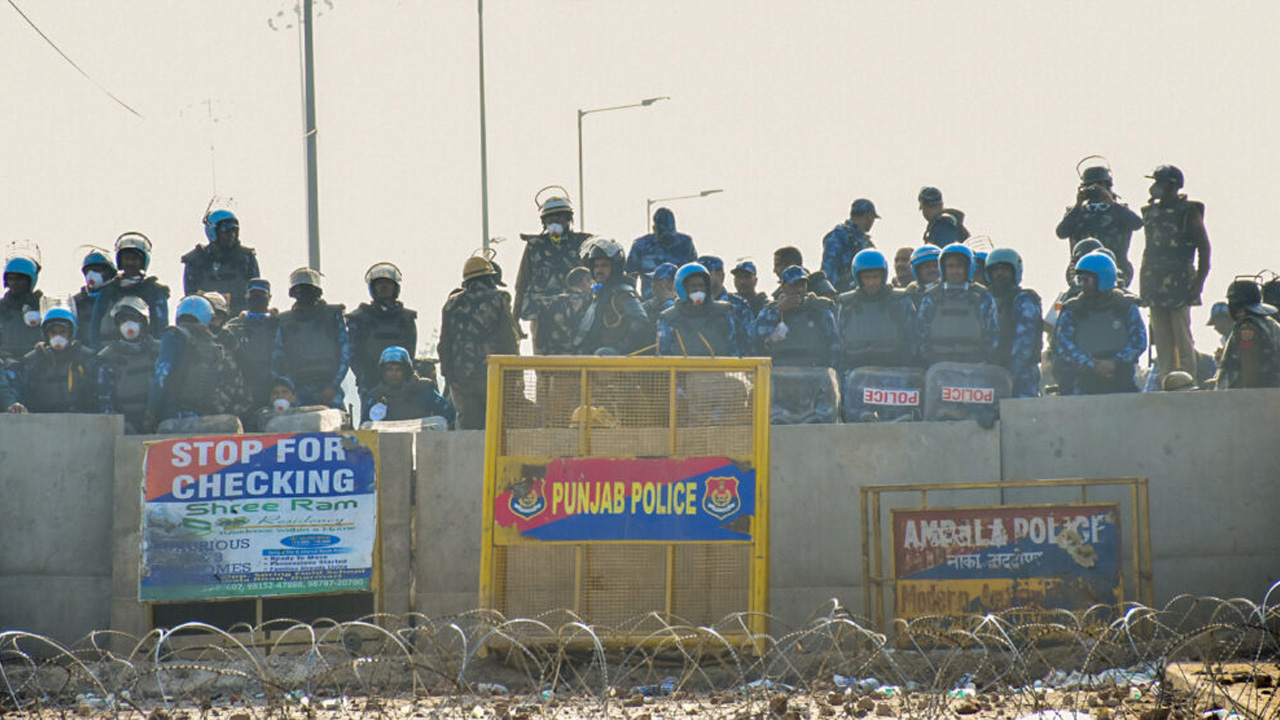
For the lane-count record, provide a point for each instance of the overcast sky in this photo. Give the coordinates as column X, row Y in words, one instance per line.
column 794, row 109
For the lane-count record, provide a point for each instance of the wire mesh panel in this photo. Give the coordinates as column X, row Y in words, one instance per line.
column 617, row 487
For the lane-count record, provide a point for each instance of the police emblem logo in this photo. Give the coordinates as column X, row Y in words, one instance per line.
column 720, row 498
column 526, row 501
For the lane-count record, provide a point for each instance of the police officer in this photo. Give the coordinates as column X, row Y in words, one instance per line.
column 957, row 318
column 745, row 279
column 255, row 330
column 9, row 401
column 98, row 270
column 614, row 323
column 663, row 283
column 400, row 394
column 548, row 257
column 378, row 325
column 1251, row 358
column 221, row 314
column 788, row 255
column 798, row 328
column 59, row 374
column 663, row 245
column 1019, row 316
column 558, row 321
column 312, row 347
column 126, row 365
column 1171, row 279
column 715, row 267
column 697, row 325
column 476, row 322
column 902, row 276
column 925, row 271
column 223, row 265
column 20, row 306
column 194, row 375
column 846, row 240
column 133, row 257
column 1099, row 335
column 1098, row 214
column 876, row 321
column 943, row 225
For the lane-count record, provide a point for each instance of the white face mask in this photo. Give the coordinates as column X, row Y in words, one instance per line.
column 31, row 318
column 555, row 229
column 130, row 329
column 378, row 412
column 93, row 279
column 280, row 404
column 59, row 342
column 697, row 297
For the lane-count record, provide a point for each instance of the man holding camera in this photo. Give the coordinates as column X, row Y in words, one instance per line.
column 1097, row 214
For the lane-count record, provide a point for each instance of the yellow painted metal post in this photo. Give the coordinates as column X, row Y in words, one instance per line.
column 760, row 522
column 492, row 448
column 866, row 553
column 1137, row 551
column 879, row 560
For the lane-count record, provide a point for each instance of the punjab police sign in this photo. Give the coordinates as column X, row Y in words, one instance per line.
column 977, row 560
column 261, row 515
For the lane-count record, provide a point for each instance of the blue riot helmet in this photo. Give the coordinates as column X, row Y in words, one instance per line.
column 195, row 307
column 870, row 259
column 686, row 271
column 1101, row 266
column 59, row 314
column 20, row 265
column 961, row 250
column 395, row 354
column 134, row 242
column 216, row 218
column 96, row 258
column 1005, row 256
column 923, row 254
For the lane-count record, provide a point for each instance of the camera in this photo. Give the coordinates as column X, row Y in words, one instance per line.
column 1095, row 192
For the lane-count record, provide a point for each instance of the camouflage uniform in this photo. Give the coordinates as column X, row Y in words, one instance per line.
column 558, row 323
column 543, row 267
column 476, row 322
column 1169, row 278
column 1112, row 224
column 838, row 248
column 1254, row 345
column 1021, row 338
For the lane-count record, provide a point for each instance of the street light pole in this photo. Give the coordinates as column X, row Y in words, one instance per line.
column 484, row 151
column 309, row 101
column 582, row 200
column 648, row 208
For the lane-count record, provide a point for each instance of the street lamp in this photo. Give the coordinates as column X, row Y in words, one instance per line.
column 648, row 208
column 582, row 200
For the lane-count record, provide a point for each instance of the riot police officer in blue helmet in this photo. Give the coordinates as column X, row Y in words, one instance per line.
column 375, row 326
column 59, row 375
column 133, row 257
column 1019, row 316
column 98, row 269
column 194, row 376
column 20, row 306
column 876, row 321
column 400, row 394
column 925, row 272
column 312, row 348
column 957, row 320
column 223, row 265
column 1099, row 335
column 127, row 364
column 697, row 325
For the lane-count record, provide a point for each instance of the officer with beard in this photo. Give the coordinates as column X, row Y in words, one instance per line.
column 696, row 325
column 126, row 365
column 223, row 265
column 614, row 323
column 663, row 245
column 1019, row 316
column 1099, row 335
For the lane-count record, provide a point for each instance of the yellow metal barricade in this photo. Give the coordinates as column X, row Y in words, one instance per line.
column 619, row 487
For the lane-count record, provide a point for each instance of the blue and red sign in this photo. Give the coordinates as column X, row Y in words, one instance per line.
column 593, row 499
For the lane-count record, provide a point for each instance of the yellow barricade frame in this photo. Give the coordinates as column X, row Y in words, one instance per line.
column 585, row 419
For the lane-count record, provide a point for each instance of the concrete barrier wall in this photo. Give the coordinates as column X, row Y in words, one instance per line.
column 1212, row 460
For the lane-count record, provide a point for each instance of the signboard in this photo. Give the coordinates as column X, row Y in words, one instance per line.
column 977, row 560
column 259, row 515
column 594, row 499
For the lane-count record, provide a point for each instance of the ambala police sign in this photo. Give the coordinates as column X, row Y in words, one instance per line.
column 252, row 516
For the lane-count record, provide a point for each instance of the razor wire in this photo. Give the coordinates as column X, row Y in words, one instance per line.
column 1195, row 657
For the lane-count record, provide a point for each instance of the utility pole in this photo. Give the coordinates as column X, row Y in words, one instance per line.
column 484, row 151
column 309, row 101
